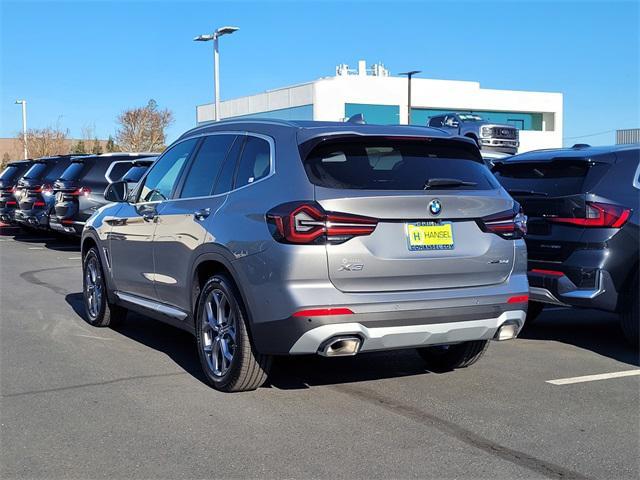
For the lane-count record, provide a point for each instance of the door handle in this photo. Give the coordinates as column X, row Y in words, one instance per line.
column 201, row 214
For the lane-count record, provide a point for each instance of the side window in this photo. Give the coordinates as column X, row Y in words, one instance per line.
column 255, row 162
column 225, row 179
column 451, row 121
column 162, row 177
column 206, row 166
column 435, row 122
column 118, row 169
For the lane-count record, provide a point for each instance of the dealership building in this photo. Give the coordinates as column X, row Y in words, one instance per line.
column 382, row 99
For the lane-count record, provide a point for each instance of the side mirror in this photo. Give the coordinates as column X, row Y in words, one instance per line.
column 116, row 192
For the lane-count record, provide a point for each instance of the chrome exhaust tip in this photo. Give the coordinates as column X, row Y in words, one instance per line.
column 341, row 346
column 507, row 331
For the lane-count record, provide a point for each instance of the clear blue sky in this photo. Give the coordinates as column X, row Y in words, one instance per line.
column 81, row 63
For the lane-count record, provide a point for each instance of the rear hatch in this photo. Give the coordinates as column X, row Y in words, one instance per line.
column 553, row 194
column 35, row 188
column 8, row 179
column 428, row 197
column 67, row 190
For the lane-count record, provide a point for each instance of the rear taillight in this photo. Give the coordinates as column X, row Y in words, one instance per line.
column 597, row 215
column 45, row 189
column 11, row 203
column 39, row 203
column 308, row 223
column 510, row 224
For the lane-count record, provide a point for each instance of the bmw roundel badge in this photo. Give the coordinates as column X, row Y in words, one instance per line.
column 435, row 207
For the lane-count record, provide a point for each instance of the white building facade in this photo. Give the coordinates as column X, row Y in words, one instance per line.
column 382, row 99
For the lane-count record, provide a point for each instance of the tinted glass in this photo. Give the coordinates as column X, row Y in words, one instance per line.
column 163, row 176
column 72, row 172
column 564, row 176
column 255, row 162
column 394, row 165
column 118, row 169
column 225, row 179
column 133, row 175
column 435, row 122
column 36, row 170
column 206, row 166
column 10, row 173
column 56, row 170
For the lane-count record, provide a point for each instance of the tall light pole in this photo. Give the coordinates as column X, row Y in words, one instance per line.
column 24, row 125
column 409, row 75
column 216, row 62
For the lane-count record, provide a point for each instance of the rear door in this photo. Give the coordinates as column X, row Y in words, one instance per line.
column 384, row 179
column 182, row 221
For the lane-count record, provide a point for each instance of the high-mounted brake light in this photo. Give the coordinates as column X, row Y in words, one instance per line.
column 597, row 215
column 308, row 223
column 510, row 224
column 320, row 312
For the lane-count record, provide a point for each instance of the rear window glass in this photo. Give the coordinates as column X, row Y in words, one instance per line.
column 57, row 169
column 556, row 177
column 133, row 175
column 394, row 165
column 36, row 170
column 73, row 171
column 10, row 172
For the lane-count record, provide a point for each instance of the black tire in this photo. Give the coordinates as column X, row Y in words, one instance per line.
column 443, row 358
column 247, row 369
column 629, row 317
column 533, row 312
column 98, row 313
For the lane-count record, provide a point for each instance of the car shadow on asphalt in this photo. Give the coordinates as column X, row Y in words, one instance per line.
column 591, row 330
column 49, row 240
column 298, row 372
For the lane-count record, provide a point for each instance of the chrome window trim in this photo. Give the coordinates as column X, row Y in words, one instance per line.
column 107, row 174
column 272, row 163
column 636, row 177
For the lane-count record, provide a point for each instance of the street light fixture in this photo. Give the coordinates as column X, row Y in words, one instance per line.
column 216, row 83
column 409, row 75
column 24, row 125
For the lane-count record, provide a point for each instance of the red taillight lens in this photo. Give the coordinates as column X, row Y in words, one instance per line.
column 319, row 312
column 45, row 189
column 553, row 273
column 510, row 224
column 598, row 215
column 11, row 203
column 39, row 203
column 308, row 223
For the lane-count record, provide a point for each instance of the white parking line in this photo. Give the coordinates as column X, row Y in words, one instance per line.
column 36, row 248
column 75, row 258
column 593, row 378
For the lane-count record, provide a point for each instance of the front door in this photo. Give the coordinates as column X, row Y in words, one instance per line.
column 132, row 232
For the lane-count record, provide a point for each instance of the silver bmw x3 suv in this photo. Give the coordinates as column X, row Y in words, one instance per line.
column 265, row 237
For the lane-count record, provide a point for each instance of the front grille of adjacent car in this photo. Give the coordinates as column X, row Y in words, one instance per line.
column 502, row 132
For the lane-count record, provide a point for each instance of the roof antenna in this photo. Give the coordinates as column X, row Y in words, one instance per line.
column 357, row 118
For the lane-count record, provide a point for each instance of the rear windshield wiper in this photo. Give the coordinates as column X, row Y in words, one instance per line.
column 447, row 182
column 528, row 192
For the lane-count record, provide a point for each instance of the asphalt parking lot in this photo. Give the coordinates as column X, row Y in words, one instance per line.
column 79, row 402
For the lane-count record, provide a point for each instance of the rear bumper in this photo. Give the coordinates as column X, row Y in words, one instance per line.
column 387, row 330
column 32, row 218
column 68, row 227
column 558, row 289
column 7, row 214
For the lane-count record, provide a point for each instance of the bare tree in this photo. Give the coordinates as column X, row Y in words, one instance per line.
column 143, row 129
column 42, row 142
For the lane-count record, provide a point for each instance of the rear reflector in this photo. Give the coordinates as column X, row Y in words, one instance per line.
column 39, row 203
column 554, row 273
column 518, row 299
column 11, row 202
column 321, row 312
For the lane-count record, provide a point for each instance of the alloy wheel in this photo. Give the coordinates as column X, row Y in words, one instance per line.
column 218, row 324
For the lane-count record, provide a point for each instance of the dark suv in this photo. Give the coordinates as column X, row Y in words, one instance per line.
column 8, row 180
column 79, row 191
column 288, row 238
column 583, row 205
column 34, row 192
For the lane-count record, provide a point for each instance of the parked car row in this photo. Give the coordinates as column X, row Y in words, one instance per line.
column 265, row 238
column 62, row 192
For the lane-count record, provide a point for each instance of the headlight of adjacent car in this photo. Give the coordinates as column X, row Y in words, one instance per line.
column 486, row 131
